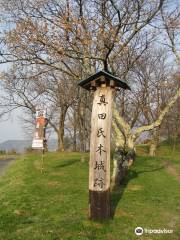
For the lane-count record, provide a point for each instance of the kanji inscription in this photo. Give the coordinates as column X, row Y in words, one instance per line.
column 99, row 179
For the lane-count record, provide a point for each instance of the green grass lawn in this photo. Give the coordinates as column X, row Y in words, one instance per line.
column 54, row 205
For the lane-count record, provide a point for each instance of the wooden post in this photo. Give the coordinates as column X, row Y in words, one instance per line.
column 104, row 84
column 42, row 161
column 44, row 144
column 99, row 168
column 39, row 140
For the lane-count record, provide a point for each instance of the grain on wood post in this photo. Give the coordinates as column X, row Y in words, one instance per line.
column 99, row 169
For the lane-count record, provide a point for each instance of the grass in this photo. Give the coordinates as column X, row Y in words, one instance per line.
column 54, row 205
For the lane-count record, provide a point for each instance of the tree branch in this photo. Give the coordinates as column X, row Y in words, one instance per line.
column 158, row 122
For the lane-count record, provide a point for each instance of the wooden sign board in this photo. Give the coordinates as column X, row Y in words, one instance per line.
column 41, row 113
column 39, row 135
column 37, row 143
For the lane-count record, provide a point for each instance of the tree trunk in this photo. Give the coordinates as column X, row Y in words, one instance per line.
column 152, row 149
column 75, row 132
column 154, row 142
column 122, row 160
column 82, row 137
column 61, row 129
column 174, row 142
column 82, row 128
column 61, row 141
column 82, row 159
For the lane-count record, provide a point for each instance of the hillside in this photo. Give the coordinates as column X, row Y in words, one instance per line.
column 54, row 205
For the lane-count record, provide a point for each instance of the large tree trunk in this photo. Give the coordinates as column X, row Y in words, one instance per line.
column 122, row 160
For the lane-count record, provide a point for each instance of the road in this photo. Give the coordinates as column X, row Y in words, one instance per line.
column 4, row 164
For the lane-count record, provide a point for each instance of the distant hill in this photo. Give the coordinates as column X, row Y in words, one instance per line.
column 21, row 145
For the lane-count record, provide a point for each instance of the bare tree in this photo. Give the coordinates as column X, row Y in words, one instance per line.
column 171, row 25
column 75, row 41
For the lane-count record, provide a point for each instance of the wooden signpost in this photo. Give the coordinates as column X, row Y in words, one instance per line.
column 39, row 140
column 39, row 135
column 104, row 85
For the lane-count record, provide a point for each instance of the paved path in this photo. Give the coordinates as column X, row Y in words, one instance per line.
column 4, row 163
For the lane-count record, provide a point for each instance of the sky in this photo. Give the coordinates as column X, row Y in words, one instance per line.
column 11, row 129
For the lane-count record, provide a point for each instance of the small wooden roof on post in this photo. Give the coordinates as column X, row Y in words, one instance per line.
column 103, row 77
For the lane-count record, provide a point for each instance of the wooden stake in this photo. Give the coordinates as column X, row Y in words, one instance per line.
column 99, row 166
column 44, row 147
column 42, row 161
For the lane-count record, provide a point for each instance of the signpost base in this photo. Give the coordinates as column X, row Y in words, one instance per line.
column 99, row 205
